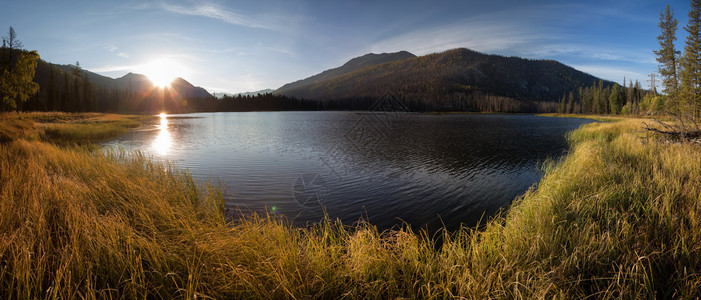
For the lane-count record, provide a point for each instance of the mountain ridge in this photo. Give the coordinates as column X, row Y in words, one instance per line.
column 138, row 82
column 456, row 79
column 71, row 89
column 356, row 63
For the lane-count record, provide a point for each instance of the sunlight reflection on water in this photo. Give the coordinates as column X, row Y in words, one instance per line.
column 163, row 141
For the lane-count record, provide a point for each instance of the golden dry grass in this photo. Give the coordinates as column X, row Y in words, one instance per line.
column 616, row 218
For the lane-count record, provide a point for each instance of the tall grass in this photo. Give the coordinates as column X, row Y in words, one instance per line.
column 616, row 218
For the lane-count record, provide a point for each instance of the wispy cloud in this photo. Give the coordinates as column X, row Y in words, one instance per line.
column 485, row 38
column 505, row 31
column 608, row 53
column 243, row 51
column 113, row 48
column 216, row 12
column 611, row 73
column 114, row 68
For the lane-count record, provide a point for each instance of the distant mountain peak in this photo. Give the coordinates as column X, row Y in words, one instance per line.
column 354, row 64
column 133, row 75
column 375, row 59
column 455, row 79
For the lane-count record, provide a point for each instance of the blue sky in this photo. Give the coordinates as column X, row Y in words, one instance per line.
column 232, row 46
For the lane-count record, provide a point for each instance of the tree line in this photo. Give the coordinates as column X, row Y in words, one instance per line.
column 68, row 91
column 616, row 99
column 680, row 71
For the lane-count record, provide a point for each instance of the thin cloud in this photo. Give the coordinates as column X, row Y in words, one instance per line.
column 216, row 12
column 485, row 38
column 592, row 52
column 506, row 31
column 611, row 73
column 123, row 54
column 112, row 68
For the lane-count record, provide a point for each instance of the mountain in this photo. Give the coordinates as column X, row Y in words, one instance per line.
column 139, row 83
column 65, row 88
column 458, row 79
column 187, row 90
column 357, row 63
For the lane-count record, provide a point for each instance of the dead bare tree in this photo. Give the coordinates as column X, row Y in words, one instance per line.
column 12, row 43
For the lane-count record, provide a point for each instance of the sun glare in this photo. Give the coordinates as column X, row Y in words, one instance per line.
column 163, row 71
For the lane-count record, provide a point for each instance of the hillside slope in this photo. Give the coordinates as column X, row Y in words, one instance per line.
column 458, row 79
column 354, row 64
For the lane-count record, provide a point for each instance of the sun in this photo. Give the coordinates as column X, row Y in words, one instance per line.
column 162, row 71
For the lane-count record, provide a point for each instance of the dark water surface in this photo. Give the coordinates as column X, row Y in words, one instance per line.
column 426, row 170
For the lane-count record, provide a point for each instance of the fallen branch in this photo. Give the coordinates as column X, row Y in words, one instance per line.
column 680, row 131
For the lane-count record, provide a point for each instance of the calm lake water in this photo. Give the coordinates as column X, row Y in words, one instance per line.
column 425, row 170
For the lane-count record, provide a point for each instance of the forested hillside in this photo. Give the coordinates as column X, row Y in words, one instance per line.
column 354, row 64
column 458, row 79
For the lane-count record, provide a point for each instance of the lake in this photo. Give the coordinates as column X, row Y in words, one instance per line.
column 423, row 169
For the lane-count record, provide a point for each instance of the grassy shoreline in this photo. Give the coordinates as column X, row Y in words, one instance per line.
column 614, row 218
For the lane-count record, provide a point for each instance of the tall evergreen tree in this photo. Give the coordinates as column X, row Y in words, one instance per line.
column 562, row 108
column 615, row 100
column 580, row 96
column 630, row 95
column 17, row 84
column 17, row 69
column 52, row 98
column 602, row 98
column 691, row 61
column 65, row 94
column 624, row 96
column 667, row 55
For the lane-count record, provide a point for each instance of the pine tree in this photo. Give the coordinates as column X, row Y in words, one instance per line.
column 631, row 97
column 52, row 102
column 667, row 56
column 17, row 84
column 17, row 69
column 614, row 100
column 89, row 94
column 562, row 108
column 65, row 94
column 691, row 62
column 602, row 99
column 580, row 96
column 77, row 100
